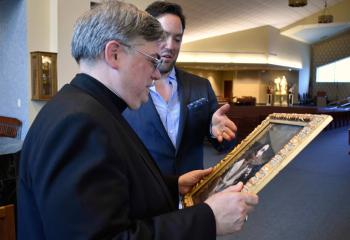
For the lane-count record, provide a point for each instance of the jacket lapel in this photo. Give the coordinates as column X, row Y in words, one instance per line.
column 106, row 100
column 184, row 93
column 144, row 154
column 150, row 109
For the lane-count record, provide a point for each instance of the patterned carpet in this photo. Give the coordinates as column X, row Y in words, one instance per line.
column 309, row 199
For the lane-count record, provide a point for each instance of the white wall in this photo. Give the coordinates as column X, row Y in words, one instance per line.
column 263, row 45
column 246, row 82
column 304, row 73
column 214, row 77
column 142, row 4
column 67, row 12
column 13, row 61
column 38, row 33
column 267, row 42
column 248, row 41
column 50, row 26
column 286, row 48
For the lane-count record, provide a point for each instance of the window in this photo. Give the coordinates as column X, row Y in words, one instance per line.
column 337, row 71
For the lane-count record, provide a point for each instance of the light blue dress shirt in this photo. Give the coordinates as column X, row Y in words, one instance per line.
column 169, row 112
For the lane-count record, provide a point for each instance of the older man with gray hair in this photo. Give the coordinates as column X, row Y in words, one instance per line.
column 84, row 174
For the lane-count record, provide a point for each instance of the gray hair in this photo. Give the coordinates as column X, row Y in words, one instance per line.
column 111, row 20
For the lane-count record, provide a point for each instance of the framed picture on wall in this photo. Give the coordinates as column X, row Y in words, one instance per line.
column 261, row 155
column 44, row 75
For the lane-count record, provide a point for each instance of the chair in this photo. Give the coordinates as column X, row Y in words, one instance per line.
column 7, row 222
column 10, row 127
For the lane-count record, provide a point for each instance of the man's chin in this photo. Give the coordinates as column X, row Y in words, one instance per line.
column 166, row 69
column 143, row 101
column 138, row 104
column 135, row 106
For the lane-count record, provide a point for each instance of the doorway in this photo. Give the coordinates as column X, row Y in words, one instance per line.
column 228, row 88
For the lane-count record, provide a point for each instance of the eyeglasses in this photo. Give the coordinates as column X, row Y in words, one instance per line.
column 155, row 61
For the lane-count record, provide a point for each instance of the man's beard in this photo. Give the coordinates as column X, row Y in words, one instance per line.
column 166, row 68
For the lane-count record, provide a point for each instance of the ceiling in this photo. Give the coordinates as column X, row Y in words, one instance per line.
column 230, row 66
column 213, row 18
column 312, row 33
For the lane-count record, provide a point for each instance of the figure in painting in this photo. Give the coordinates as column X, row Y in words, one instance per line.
column 243, row 170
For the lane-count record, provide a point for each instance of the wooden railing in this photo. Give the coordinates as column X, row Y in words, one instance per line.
column 247, row 118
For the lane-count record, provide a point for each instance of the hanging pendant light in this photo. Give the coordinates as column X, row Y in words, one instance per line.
column 297, row 3
column 325, row 17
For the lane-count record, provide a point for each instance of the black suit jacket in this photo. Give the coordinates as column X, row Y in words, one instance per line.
column 84, row 174
column 197, row 105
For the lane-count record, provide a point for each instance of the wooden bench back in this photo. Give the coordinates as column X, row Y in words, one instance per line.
column 10, row 127
column 7, row 222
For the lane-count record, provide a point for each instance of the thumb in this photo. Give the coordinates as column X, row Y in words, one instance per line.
column 202, row 173
column 223, row 109
column 235, row 188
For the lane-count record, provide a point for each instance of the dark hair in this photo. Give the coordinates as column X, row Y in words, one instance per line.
column 159, row 8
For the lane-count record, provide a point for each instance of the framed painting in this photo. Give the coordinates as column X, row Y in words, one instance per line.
column 261, row 155
column 44, row 75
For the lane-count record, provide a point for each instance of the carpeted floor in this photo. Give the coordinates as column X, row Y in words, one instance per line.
column 309, row 199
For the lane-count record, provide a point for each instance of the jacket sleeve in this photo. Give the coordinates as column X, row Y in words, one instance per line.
column 82, row 192
column 172, row 182
column 224, row 146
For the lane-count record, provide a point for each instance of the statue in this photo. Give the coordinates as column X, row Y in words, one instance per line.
column 277, row 86
column 284, row 86
column 269, row 89
column 281, row 92
column 292, row 89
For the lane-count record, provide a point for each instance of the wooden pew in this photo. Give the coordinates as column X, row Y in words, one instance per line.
column 7, row 222
column 10, row 127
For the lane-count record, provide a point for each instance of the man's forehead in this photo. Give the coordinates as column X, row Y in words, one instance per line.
column 173, row 34
column 171, row 23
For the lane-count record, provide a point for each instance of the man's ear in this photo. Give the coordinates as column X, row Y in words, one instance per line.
column 112, row 50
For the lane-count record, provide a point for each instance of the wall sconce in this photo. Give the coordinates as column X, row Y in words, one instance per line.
column 297, row 3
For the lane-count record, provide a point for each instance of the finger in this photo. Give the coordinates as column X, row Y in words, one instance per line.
column 223, row 109
column 199, row 174
column 228, row 135
column 216, row 130
column 251, row 199
column 204, row 172
column 220, row 137
column 235, row 188
column 230, row 125
column 248, row 209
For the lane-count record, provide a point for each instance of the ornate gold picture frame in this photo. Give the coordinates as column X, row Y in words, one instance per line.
column 261, row 155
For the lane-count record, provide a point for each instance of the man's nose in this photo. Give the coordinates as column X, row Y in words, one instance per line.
column 168, row 43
